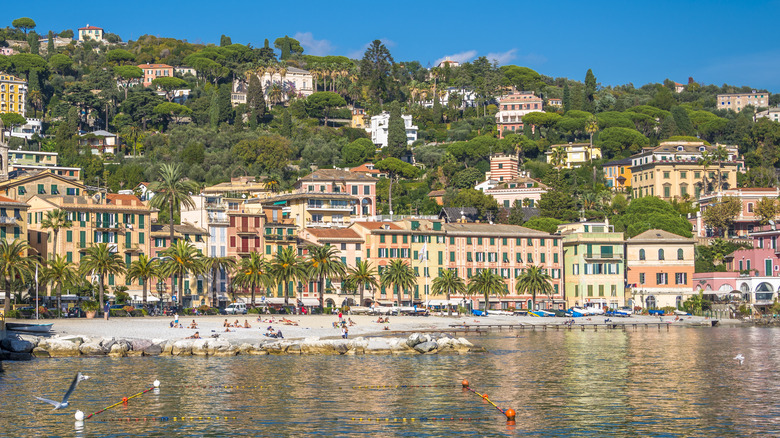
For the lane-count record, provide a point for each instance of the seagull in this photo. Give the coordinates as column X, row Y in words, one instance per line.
column 64, row 403
column 740, row 358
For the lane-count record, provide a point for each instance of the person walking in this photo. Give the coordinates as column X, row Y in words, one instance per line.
column 106, row 311
column 344, row 332
column 341, row 317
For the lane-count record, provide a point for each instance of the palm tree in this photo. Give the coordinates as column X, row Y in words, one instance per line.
column 272, row 185
column 144, row 269
column 558, row 157
column 180, row 259
column 216, row 265
column 706, row 161
column 448, row 283
column 361, row 275
column 720, row 154
column 323, row 264
column 252, row 272
column 173, row 191
column 14, row 265
column 59, row 271
column 533, row 281
column 100, row 260
column 400, row 275
column 55, row 220
column 487, row 283
column 287, row 266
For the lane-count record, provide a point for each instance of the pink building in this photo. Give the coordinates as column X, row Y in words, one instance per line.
column 747, row 220
column 360, row 185
column 154, row 71
column 503, row 167
column 513, row 107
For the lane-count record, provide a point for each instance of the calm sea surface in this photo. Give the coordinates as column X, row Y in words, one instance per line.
column 642, row 383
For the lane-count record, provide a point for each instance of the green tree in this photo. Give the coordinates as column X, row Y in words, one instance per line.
column 589, row 92
column 395, row 168
column 173, row 191
column 396, row 132
column 179, row 260
column 566, row 98
column 50, row 50
column 683, row 122
column 24, row 24
column 617, row 141
column 100, row 260
column 288, row 47
column 253, row 271
column 534, row 281
column 326, row 101
column 486, row 205
column 144, row 270
column 448, row 283
column 28, row 63
column 287, row 125
column 255, row 100
column 324, row 264
column 400, row 276
column 169, row 84
column 55, row 220
column 118, row 57
column 287, row 267
column 59, row 272
column 363, row 275
column 172, row 110
column 648, row 213
column 547, row 224
column 358, row 152
column 766, row 209
column 376, row 69
column 12, row 119
column 15, row 264
column 216, row 265
column 722, row 215
column 487, row 283
column 225, row 41
column 559, row 204
column 61, row 63
column 522, row 78
column 265, row 154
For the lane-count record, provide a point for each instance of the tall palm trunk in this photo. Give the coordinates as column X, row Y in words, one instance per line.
column 254, row 286
column 7, row 304
column 321, row 283
column 146, row 281
column 213, row 287
column 449, row 308
column 361, row 287
column 59, row 297
column 100, row 290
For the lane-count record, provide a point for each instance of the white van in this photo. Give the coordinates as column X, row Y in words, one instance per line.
column 235, row 309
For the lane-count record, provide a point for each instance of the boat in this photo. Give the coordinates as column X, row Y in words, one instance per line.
column 29, row 327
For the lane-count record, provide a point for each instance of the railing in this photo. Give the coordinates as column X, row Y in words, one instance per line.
column 108, row 225
column 215, row 206
column 8, row 220
column 328, row 206
column 276, row 237
column 606, row 255
column 218, row 220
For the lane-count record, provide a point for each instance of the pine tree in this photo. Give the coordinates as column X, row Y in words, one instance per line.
column 225, row 108
column 286, row 128
column 566, row 98
column 668, row 128
column 437, row 109
column 224, row 41
column 589, row 92
column 34, row 42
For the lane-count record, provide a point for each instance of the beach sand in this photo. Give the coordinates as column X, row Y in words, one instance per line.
column 318, row 325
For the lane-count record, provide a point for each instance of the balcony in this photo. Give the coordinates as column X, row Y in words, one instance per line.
column 8, row 220
column 215, row 206
column 278, row 238
column 135, row 247
column 324, row 224
column 247, row 230
column 604, row 256
column 100, row 225
column 214, row 219
column 328, row 206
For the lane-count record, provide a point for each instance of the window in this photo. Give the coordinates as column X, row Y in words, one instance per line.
column 683, row 175
column 666, row 175
column 452, row 256
column 366, row 190
column 354, row 190
column 555, row 257
column 641, row 278
column 660, row 254
column 641, row 254
column 662, row 278
column 542, row 257
column 576, row 269
column 530, row 258
column 382, row 238
column 750, row 207
column 667, row 191
column 681, row 278
column 519, row 258
column 680, row 254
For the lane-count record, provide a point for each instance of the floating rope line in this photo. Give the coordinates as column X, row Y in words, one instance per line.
column 419, row 419
column 508, row 413
column 401, row 386
column 357, row 419
column 179, row 418
column 221, row 386
column 124, row 400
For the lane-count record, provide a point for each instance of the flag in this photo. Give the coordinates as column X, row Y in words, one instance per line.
column 424, row 252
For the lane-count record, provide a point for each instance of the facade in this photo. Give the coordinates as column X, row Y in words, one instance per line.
column 454, row 97
column 100, row 142
column 673, row 170
column 523, row 188
column 618, row 174
column 358, row 118
column 13, row 219
column 577, row 154
column 239, row 188
column 154, row 71
column 91, row 33
column 659, row 269
column 308, row 210
column 350, row 249
column 121, row 221
column 737, row 101
column 772, row 114
column 184, row 70
column 245, row 233
column 593, row 257
column 512, row 108
column 13, row 94
column 210, row 212
column 555, row 101
column 448, row 63
column 42, row 183
column 26, row 131
column 746, row 221
column 362, row 187
column 290, row 81
column 503, row 167
column 37, row 161
column 380, row 124
column 195, row 291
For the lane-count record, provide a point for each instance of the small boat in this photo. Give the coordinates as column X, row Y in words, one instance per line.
column 29, row 327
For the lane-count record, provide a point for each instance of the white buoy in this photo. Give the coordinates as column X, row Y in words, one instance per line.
column 79, row 416
column 156, row 383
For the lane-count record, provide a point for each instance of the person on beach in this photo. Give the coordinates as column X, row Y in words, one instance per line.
column 341, row 317
column 351, row 323
column 344, row 332
column 176, row 318
column 246, row 324
column 194, row 325
column 225, row 324
column 195, row 336
column 236, row 324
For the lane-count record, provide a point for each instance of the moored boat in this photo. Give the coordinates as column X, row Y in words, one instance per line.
column 29, row 327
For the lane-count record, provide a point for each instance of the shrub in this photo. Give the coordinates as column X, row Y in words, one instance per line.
column 187, row 311
column 13, row 314
column 137, row 312
column 128, row 309
column 90, row 306
column 118, row 312
column 254, row 310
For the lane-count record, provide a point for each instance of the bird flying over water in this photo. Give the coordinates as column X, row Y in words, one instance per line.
column 740, row 358
column 64, row 403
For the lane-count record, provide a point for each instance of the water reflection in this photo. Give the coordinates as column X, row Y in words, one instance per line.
column 683, row 382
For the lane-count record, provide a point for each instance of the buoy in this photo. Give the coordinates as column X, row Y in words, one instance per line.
column 465, row 383
column 510, row 415
column 79, row 416
column 485, row 396
column 124, row 399
column 156, row 383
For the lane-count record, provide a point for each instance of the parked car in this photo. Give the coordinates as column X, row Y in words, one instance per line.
column 76, row 312
column 235, row 309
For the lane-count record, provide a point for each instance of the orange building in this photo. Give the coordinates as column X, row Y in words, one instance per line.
column 659, row 269
column 154, row 71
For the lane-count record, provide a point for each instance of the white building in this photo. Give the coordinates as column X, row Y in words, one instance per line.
column 210, row 213
column 91, row 33
column 468, row 98
column 26, row 131
column 380, row 125
column 294, row 82
column 771, row 114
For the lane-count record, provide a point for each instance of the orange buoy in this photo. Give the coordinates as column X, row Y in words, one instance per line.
column 124, row 399
column 465, row 383
column 510, row 415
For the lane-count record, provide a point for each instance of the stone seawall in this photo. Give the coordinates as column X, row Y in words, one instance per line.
column 26, row 347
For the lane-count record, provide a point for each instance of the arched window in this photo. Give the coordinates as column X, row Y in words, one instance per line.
column 641, row 254
column 679, row 254
column 660, row 254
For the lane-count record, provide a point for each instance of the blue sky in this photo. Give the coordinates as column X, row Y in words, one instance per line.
column 715, row 42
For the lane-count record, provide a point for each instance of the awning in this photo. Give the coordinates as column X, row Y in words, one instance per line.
column 276, row 300
column 443, row 302
column 385, row 303
column 310, row 302
column 280, row 202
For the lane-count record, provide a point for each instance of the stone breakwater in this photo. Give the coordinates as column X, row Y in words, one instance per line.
column 25, row 347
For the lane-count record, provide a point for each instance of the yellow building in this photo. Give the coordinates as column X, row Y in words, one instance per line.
column 618, row 174
column 121, row 221
column 42, row 183
column 576, row 155
column 12, row 219
column 358, row 118
column 311, row 209
column 13, row 94
column 673, row 170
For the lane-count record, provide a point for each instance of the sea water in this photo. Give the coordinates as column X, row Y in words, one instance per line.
column 645, row 382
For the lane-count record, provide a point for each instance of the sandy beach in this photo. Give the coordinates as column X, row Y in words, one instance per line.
column 321, row 325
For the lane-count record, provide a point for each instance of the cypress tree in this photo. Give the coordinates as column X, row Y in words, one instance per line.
column 50, row 50
column 286, row 128
column 566, row 98
column 225, row 108
column 589, row 92
column 668, row 128
column 35, row 44
column 255, row 100
column 396, row 132
column 214, row 109
column 224, row 40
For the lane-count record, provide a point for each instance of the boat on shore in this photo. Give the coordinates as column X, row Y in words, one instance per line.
column 29, row 327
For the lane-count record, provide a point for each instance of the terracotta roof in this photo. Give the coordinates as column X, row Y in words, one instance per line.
column 185, row 228
column 91, row 28
column 435, row 193
column 487, row 229
column 4, row 200
column 29, row 178
column 154, row 66
column 117, row 199
column 323, row 234
column 378, row 225
column 365, row 169
column 334, row 175
column 655, row 236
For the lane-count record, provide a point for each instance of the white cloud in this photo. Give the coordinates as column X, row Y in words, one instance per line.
column 458, row 57
column 312, row 46
column 502, row 58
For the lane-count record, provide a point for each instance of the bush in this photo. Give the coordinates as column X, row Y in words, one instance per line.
column 187, row 311
column 13, row 314
column 254, row 310
column 118, row 312
column 90, row 306
column 137, row 312
column 128, row 309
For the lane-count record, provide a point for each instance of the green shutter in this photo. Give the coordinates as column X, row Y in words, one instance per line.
column 69, row 256
column 141, row 221
column 69, row 236
column 441, row 257
column 128, row 239
column 452, row 256
column 82, row 239
column 140, row 237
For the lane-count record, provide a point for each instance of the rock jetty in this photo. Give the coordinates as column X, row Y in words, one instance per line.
column 25, row 347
